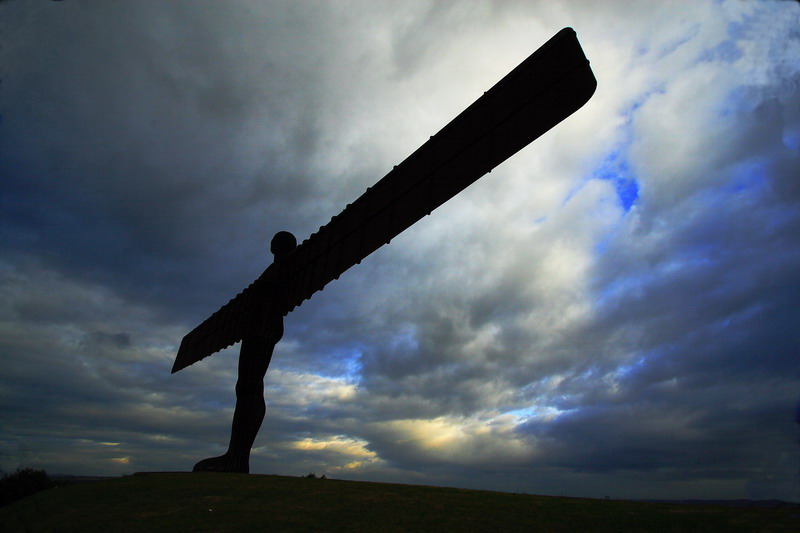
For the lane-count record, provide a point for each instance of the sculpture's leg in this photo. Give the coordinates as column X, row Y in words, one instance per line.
column 254, row 358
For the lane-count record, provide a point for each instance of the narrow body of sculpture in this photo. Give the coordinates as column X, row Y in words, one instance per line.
column 264, row 332
column 551, row 84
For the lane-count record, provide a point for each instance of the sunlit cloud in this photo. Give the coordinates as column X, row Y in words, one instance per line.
column 349, row 454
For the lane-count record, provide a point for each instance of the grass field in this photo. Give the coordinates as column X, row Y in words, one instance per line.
column 179, row 502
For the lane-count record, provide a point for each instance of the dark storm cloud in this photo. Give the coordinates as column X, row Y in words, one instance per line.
column 136, row 155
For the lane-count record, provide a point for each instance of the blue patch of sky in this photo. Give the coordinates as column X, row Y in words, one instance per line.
column 353, row 367
column 536, row 412
column 630, row 368
column 613, row 292
column 406, row 339
column 602, row 245
column 615, row 166
column 345, row 361
column 791, row 139
column 678, row 42
column 523, row 413
column 616, row 169
column 727, row 51
column 348, row 363
column 737, row 100
column 643, row 49
column 750, row 174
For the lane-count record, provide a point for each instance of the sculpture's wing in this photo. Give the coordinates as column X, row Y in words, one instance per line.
column 551, row 84
column 222, row 329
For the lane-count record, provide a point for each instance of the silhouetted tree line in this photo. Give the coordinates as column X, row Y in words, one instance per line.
column 21, row 483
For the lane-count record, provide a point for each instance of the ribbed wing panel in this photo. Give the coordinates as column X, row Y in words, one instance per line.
column 222, row 329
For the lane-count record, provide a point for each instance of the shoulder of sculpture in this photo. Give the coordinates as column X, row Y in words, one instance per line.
column 274, row 274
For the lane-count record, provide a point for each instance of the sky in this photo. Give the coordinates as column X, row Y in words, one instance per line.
column 611, row 312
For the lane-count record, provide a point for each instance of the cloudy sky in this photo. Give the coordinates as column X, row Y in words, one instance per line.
column 613, row 311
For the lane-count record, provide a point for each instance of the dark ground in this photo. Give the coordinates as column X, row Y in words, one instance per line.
column 239, row 502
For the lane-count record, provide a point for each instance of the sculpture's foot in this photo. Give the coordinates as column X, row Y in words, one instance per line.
column 223, row 463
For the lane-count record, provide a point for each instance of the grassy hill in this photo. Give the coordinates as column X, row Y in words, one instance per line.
column 237, row 502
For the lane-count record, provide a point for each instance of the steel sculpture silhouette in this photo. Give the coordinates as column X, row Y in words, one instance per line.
column 551, row 84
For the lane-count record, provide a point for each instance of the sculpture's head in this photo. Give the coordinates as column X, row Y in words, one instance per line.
column 283, row 243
